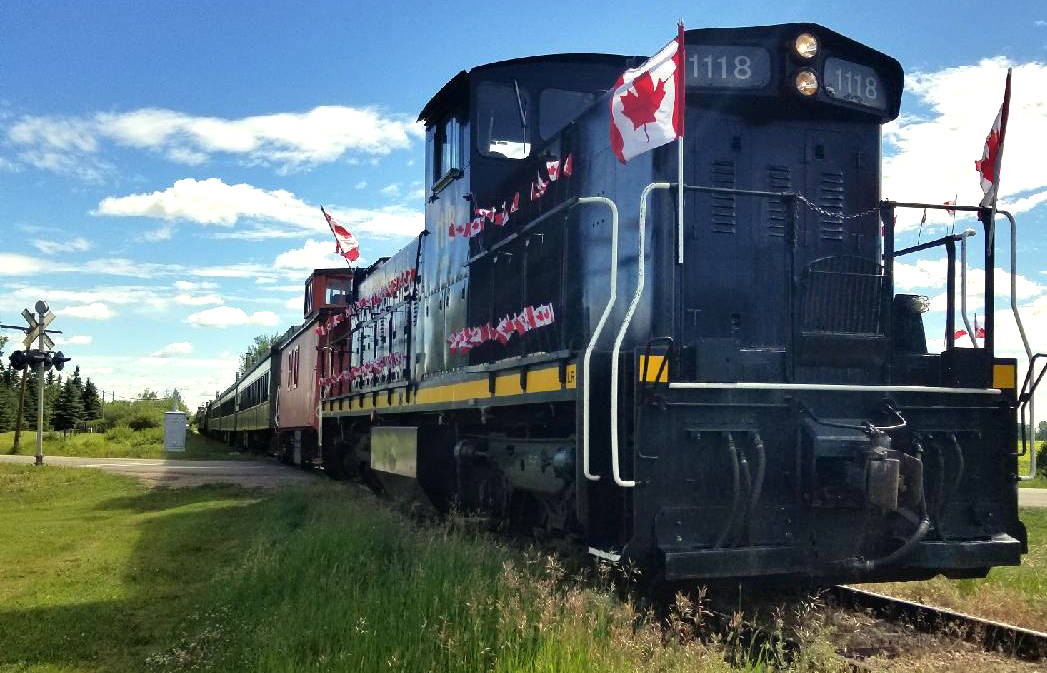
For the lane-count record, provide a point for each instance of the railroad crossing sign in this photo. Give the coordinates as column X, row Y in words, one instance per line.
column 37, row 329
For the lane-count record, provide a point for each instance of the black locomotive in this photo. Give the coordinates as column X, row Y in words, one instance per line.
column 737, row 394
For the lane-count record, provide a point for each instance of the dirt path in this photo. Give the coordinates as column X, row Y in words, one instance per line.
column 260, row 473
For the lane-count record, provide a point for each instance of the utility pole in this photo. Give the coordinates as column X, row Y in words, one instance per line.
column 21, row 410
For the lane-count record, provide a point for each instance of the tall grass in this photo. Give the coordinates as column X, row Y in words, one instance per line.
column 98, row 573
column 117, row 442
column 341, row 585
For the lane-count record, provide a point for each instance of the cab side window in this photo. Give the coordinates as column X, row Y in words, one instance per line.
column 447, row 150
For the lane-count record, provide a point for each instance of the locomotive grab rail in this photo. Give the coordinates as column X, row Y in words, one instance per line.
column 841, row 387
column 963, row 285
column 991, row 234
column 617, row 349
column 608, row 307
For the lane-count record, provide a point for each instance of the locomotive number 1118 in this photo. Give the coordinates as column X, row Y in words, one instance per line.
column 726, row 66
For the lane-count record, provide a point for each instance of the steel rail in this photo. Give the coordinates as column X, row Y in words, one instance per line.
column 992, row 635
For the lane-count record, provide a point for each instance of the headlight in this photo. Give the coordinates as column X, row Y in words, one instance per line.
column 806, row 82
column 806, row 45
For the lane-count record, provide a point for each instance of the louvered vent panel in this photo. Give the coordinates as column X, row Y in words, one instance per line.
column 831, row 197
column 722, row 215
column 779, row 179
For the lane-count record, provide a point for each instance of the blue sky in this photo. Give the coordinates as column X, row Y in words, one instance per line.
column 162, row 164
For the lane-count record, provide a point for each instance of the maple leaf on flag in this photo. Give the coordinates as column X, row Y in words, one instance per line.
column 640, row 103
column 987, row 166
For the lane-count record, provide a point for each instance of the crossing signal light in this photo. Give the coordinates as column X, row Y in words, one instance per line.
column 19, row 361
column 58, row 360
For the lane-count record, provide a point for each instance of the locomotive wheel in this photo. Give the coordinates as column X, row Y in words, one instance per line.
column 284, row 453
column 340, row 461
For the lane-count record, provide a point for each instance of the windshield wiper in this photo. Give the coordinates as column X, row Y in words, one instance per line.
column 519, row 104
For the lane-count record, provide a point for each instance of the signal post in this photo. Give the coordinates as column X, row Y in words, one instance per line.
column 39, row 358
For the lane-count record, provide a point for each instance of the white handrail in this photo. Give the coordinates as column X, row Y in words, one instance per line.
column 1025, row 342
column 615, row 467
column 599, row 329
column 963, row 285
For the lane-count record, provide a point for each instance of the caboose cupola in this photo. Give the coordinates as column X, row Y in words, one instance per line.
column 327, row 289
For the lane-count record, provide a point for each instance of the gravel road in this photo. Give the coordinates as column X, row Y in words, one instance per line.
column 260, row 473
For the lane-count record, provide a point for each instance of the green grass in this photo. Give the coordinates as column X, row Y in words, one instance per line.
column 1023, row 468
column 119, row 442
column 99, row 574
column 96, row 571
column 1017, row 595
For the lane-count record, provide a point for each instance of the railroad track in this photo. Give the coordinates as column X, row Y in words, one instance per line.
column 993, row 636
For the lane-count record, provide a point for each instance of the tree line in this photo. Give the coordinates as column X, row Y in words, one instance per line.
column 68, row 404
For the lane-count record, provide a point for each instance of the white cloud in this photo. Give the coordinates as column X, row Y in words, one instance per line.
column 289, row 140
column 79, row 340
column 293, row 304
column 923, row 274
column 230, row 316
column 213, row 202
column 188, row 286
column 240, row 270
column 360, row 185
column 95, row 311
column 196, row 378
column 313, row 255
column 197, row 299
column 161, row 233
column 391, row 190
column 13, row 264
column 51, row 247
column 174, row 350
column 264, row 280
column 931, row 158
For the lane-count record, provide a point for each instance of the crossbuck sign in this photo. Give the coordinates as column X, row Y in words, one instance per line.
column 37, row 329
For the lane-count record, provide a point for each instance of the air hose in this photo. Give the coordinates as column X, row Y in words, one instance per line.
column 732, row 453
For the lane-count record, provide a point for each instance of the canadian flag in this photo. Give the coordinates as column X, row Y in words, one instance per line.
column 543, row 315
column 538, row 188
column 647, row 103
column 553, row 169
column 992, row 154
column 344, row 242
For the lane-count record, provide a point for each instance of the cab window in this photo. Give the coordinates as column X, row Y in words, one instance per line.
column 502, row 120
column 558, row 107
column 447, row 145
column 337, row 292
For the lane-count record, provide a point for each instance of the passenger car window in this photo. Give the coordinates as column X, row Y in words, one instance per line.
column 559, row 107
column 500, row 131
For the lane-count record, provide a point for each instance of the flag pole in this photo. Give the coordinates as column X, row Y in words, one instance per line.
column 681, row 99
column 991, row 224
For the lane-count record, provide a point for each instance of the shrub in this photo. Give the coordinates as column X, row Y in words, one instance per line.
column 1041, row 459
column 119, row 435
column 147, row 436
column 142, row 420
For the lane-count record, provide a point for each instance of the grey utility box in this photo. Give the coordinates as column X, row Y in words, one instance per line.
column 174, row 431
